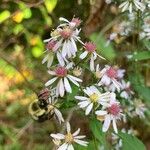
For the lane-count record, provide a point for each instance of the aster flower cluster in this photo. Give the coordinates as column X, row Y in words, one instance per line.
column 104, row 97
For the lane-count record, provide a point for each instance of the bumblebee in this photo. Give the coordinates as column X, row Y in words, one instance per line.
column 40, row 109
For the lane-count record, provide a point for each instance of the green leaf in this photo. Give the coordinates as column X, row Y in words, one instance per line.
column 141, row 56
column 50, row 5
column 96, row 128
column 131, row 142
column 4, row 15
column 139, row 86
column 106, row 51
column 37, row 51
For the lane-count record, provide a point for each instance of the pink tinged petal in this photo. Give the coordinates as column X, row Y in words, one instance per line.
column 81, row 98
column 106, row 123
column 63, row 147
column 101, row 112
column 83, row 55
column 114, row 125
column 61, row 88
column 83, row 143
column 68, row 127
column 60, row 59
column 70, row 147
column 92, row 63
column 67, row 85
column 80, row 137
column 74, row 78
column 51, row 81
column 83, row 104
column 58, row 136
column 76, row 132
column 59, row 115
column 89, row 108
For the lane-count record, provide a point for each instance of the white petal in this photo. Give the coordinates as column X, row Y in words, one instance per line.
column 92, row 63
column 70, row 147
column 51, row 72
column 76, row 132
column 59, row 115
column 83, row 55
column 61, row 88
column 89, row 108
column 82, row 98
column 60, row 59
column 68, row 127
column 51, row 81
column 101, row 112
column 58, row 136
column 74, row 78
column 106, row 123
column 63, row 19
column 115, row 126
column 84, row 104
column 83, row 143
column 45, row 59
column 80, row 137
column 63, row 147
column 67, row 85
column 50, row 61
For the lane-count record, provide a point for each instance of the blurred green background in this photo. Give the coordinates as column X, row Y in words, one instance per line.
column 23, row 27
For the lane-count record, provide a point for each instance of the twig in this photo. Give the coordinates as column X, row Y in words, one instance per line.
column 20, row 133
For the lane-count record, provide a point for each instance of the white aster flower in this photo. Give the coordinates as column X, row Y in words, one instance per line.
column 66, row 37
column 69, row 139
column 126, row 90
column 75, row 22
column 90, row 48
column 140, row 108
column 52, row 106
column 111, row 75
column 61, row 74
column 110, row 114
column 129, row 5
column 94, row 98
column 51, row 52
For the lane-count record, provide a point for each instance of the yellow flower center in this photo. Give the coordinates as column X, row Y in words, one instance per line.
column 69, row 138
column 94, row 97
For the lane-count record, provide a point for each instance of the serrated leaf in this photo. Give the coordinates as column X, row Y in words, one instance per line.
column 106, row 51
column 141, row 56
column 131, row 142
column 50, row 5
